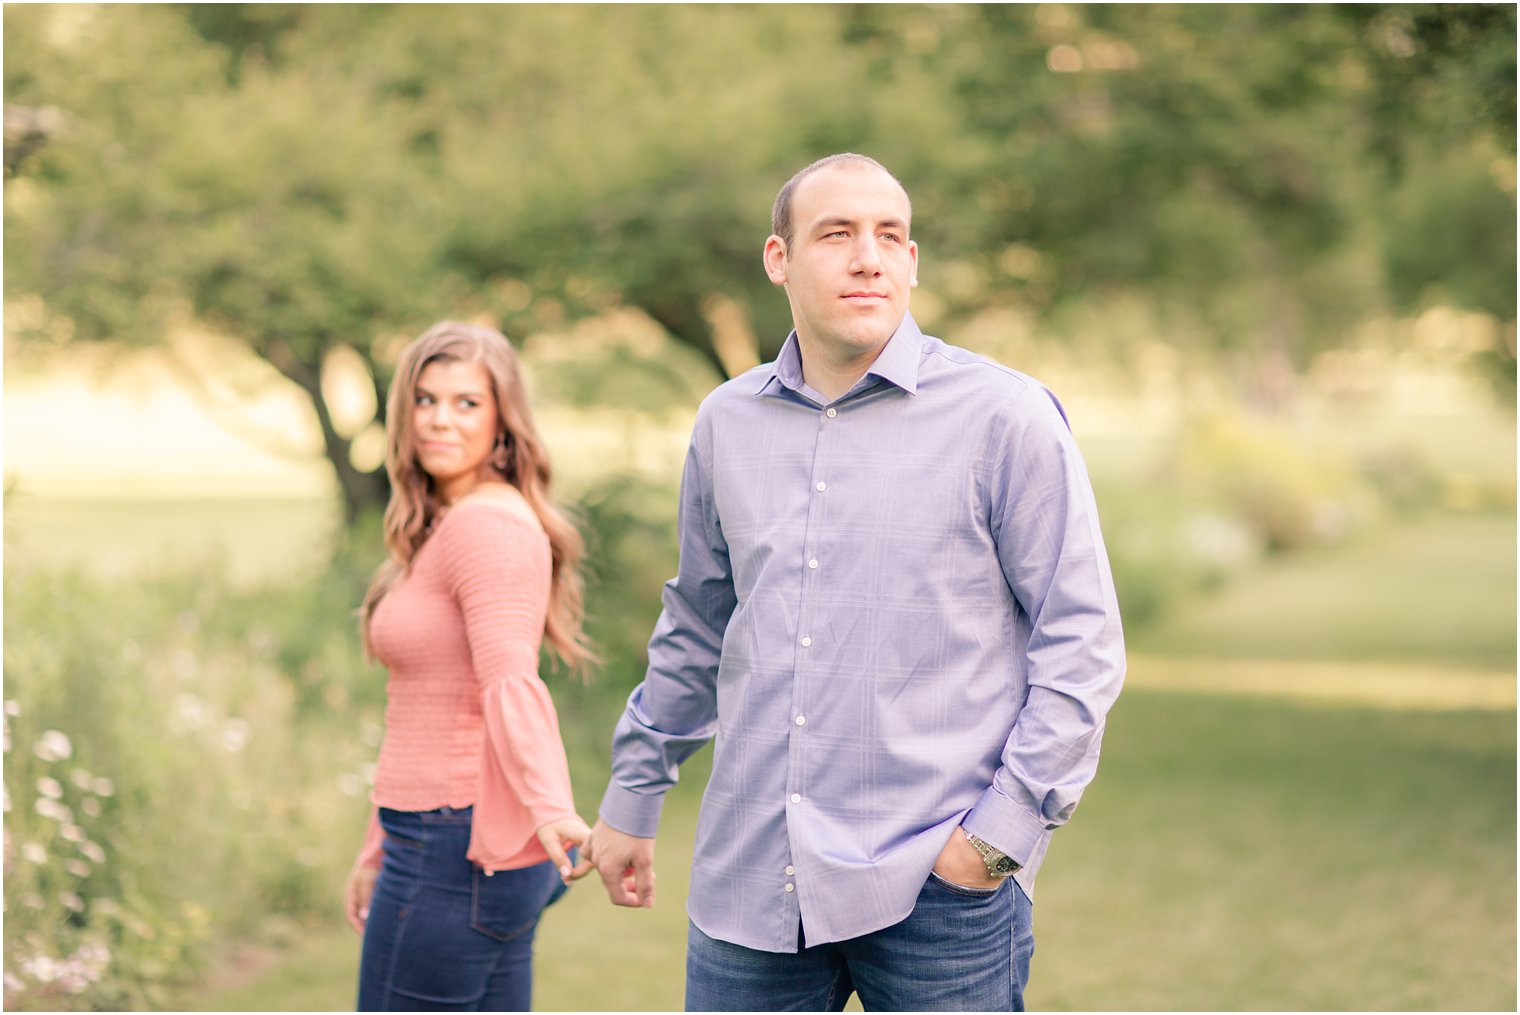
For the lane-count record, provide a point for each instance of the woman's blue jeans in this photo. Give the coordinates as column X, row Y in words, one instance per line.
column 442, row 935
column 961, row 949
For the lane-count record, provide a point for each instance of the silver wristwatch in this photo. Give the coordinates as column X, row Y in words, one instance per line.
column 999, row 864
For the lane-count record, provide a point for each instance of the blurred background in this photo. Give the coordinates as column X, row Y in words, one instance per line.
column 1264, row 254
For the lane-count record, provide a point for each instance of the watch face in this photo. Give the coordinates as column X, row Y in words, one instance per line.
column 1007, row 865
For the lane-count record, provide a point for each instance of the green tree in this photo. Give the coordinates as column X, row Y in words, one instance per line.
column 312, row 177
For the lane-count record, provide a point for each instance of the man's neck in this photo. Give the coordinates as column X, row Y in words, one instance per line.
column 830, row 378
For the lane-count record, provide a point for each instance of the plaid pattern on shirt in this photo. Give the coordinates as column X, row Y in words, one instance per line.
column 894, row 614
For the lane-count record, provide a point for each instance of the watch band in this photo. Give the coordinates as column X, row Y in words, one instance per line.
column 999, row 864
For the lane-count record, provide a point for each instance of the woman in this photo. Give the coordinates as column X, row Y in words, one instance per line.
column 474, row 820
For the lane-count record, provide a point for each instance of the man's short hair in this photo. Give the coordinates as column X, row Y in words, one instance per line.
column 781, row 211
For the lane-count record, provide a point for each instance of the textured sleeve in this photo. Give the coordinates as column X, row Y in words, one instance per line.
column 674, row 711
column 1045, row 521
column 497, row 566
column 371, row 853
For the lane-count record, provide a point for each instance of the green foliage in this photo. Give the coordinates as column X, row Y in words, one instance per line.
column 308, row 177
column 168, row 780
column 1291, row 495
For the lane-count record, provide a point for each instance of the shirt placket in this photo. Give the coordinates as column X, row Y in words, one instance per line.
column 814, row 568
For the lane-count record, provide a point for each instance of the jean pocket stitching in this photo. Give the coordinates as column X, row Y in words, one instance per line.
column 972, row 893
column 478, row 924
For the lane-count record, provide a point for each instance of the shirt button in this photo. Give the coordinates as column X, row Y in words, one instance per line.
column 790, row 871
column 813, row 563
column 802, row 720
column 791, row 887
column 806, row 642
column 831, row 414
column 796, row 798
column 822, row 486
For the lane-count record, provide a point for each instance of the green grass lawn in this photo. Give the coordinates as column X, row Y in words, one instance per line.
column 1278, row 849
column 1233, row 854
column 1437, row 589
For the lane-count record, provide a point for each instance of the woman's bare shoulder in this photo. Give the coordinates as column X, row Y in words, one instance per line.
column 500, row 497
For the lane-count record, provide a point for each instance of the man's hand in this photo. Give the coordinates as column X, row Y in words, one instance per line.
column 625, row 862
column 960, row 864
column 356, row 895
column 557, row 837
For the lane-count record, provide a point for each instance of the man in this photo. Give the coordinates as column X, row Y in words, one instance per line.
column 895, row 614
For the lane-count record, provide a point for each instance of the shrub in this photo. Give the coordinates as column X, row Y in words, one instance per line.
column 1290, row 494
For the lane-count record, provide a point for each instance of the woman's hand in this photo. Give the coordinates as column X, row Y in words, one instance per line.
column 557, row 837
column 356, row 895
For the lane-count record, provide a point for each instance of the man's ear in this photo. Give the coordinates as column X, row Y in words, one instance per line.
column 775, row 260
column 913, row 274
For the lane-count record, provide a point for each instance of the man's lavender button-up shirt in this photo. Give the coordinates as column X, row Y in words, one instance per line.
column 895, row 614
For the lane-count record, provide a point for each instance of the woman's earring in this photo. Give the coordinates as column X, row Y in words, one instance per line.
column 500, row 458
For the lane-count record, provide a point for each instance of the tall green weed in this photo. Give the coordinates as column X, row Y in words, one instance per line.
column 183, row 762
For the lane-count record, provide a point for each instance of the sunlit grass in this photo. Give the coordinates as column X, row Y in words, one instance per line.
column 1233, row 854
column 1439, row 589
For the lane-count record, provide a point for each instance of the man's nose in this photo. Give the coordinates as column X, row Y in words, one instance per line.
column 867, row 256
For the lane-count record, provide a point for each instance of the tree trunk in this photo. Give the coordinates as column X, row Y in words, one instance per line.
column 361, row 490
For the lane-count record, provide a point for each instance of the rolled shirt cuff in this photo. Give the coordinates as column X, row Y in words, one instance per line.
column 631, row 813
column 1006, row 826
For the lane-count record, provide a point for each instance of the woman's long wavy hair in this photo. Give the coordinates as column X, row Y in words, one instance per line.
column 415, row 504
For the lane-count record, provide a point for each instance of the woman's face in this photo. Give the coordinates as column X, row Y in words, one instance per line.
column 455, row 425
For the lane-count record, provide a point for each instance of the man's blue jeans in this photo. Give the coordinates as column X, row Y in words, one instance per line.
column 960, row 949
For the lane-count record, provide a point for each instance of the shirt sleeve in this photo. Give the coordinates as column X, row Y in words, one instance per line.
column 674, row 711
column 371, row 853
column 1045, row 522
column 498, row 568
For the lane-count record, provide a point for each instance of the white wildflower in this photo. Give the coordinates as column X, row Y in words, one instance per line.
column 13, row 707
column 50, row 808
column 53, row 746
column 81, row 778
column 235, row 735
column 72, row 902
column 93, row 851
column 35, row 853
column 72, row 832
column 50, row 787
column 40, row 968
column 90, row 806
column 189, row 714
column 104, row 786
column 78, row 868
column 32, row 900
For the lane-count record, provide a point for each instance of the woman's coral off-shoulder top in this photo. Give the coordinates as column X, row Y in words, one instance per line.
column 468, row 721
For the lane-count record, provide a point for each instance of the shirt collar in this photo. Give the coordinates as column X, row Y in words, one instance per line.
column 897, row 363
